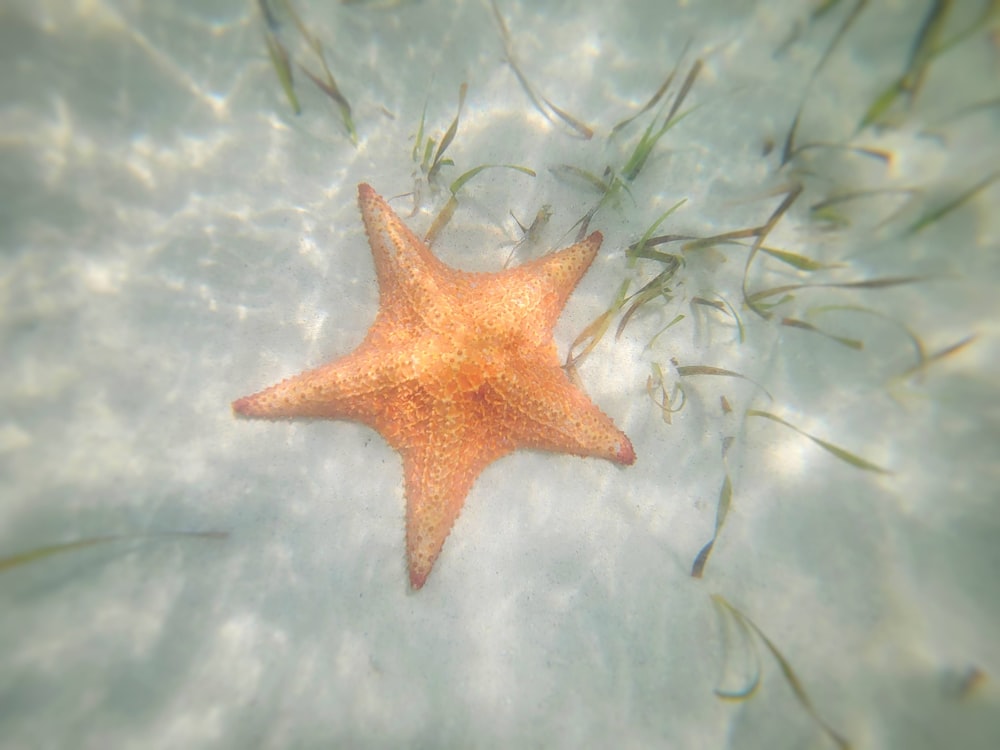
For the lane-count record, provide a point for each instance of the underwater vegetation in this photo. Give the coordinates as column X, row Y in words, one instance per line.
column 658, row 292
column 776, row 283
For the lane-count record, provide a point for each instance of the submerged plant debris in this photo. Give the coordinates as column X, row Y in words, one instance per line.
column 430, row 158
column 445, row 214
column 543, row 104
column 721, row 305
column 656, row 389
column 688, row 370
column 282, row 61
column 937, row 213
column 652, row 134
column 835, row 450
column 789, row 151
column 928, row 359
column 615, row 181
column 530, row 235
column 50, row 550
column 721, row 511
column 967, row 682
column 740, row 635
column 850, row 343
column 279, row 57
column 929, row 44
column 592, row 334
column 653, row 100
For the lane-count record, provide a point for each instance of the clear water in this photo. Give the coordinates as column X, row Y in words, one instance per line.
column 173, row 237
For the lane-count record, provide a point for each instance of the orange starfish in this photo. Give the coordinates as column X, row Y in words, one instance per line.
column 458, row 370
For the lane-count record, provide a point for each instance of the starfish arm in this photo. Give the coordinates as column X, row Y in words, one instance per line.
column 526, row 300
column 343, row 389
column 546, row 411
column 438, row 472
column 414, row 286
column 560, row 272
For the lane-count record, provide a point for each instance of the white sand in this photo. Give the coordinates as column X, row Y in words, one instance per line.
column 172, row 238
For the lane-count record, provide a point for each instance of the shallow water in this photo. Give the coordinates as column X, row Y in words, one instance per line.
column 173, row 237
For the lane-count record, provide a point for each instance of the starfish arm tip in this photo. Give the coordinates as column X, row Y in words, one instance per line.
column 626, row 453
column 242, row 407
column 261, row 406
column 417, row 579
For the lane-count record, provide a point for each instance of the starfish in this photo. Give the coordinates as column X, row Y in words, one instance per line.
column 458, row 370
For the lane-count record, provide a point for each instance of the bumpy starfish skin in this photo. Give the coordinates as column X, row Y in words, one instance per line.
column 458, row 370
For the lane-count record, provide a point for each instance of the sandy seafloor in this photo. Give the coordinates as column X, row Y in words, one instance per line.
column 172, row 237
